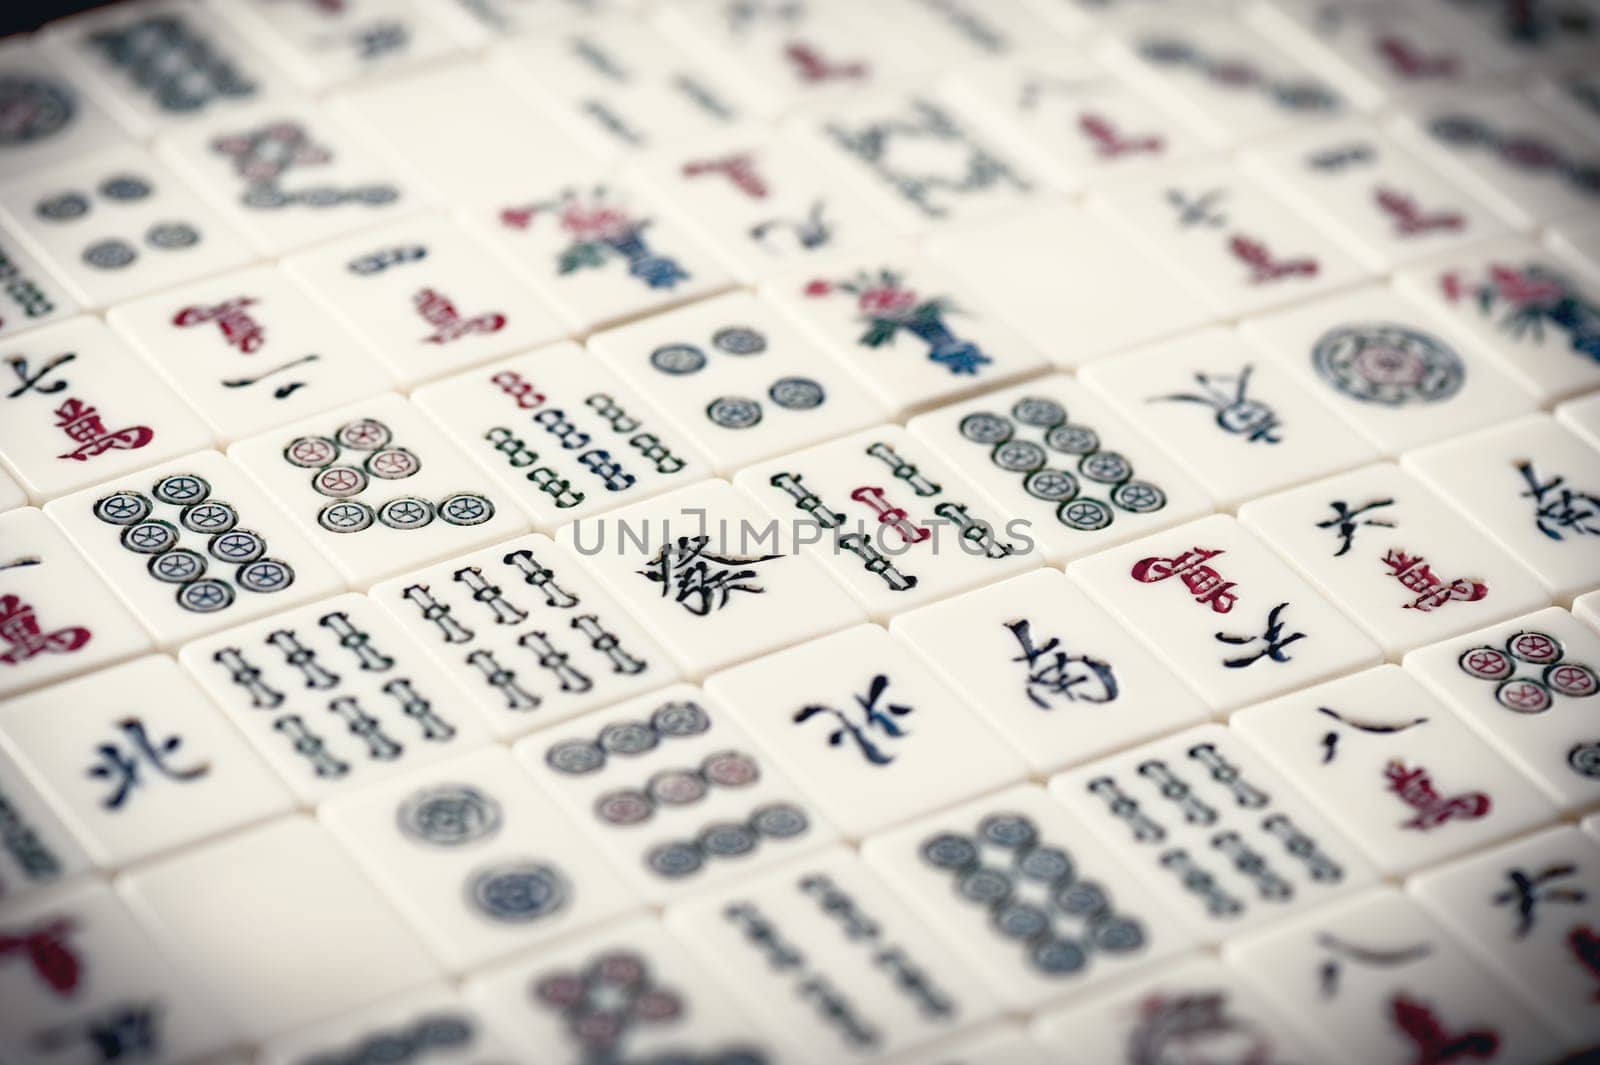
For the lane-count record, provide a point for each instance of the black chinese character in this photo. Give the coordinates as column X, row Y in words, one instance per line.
column 701, row 581
column 1559, row 507
column 872, row 717
column 1236, row 412
column 1345, row 524
column 1273, row 641
column 1054, row 672
column 122, row 765
column 1527, row 892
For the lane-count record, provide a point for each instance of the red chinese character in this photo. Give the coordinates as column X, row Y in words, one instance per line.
column 1263, row 267
column 1415, row 788
column 437, row 310
column 238, row 328
column 813, row 67
column 1410, row 219
column 83, row 426
column 1203, row 582
column 1109, row 143
column 1414, row 573
column 46, row 948
column 19, row 628
column 739, row 168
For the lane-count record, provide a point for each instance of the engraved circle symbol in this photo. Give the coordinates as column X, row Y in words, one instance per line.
column 466, row 508
column 679, row 719
column 796, row 393
column 731, row 769
column 150, row 537
column 181, row 488
column 1138, row 497
column 1085, row 515
column 1524, row 696
column 311, row 451
column 1107, row 467
column 676, row 787
column 779, row 821
column 627, row 737
column 949, row 851
column 178, row 566
column 109, row 254
column 1485, row 663
column 1056, row 486
column 265, row 575
column 125, row 188
column 728, row 840
column 518, row 891
column 170, row 235
column 449, row 815
column 678, row 359
column 1572, row 678
column 345, row 517
column 1019, row 456
column 575, row 756
column 407, row 512
column 212, row 516
column 122, row 508
column 363, row 434
column 739, row 340
column 1535, row 648
column 339, row 481
column 1073, row 439
column 734, row 412
column 237, row 546
column 393, row 463
column 1038, row 412
column 627, row 807
column 675, row 860
column 1388, row 364
column 205, row 596
column 62, row 207
column 32, row 109
column 985, row 428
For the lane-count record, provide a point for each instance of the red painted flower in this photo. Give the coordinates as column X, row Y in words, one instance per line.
column 1523, row 289
column 599, row 223
column 886, row 301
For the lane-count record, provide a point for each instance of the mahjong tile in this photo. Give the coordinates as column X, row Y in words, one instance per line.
column 322, row 44
column 65, row 383
column 990, row 1044
column 1528, row 686
column 628, row 991
column 1535, row 312
column 1072, row 306
column 1232, row 236
column 912, row 332
column 426, row 297
column 1398, row 375
column 476, row 858
column 1384, row 202
column 1238, row 424
column 1582, row 416
column 335, row 695
column 596, row 251
column 710, row 576
column 1534, row 486
column 908, row 529
column 56, row 617
column 1026, row 896
column 674, row 790
column 158, row 65
column 1521, row 158
column 1587, row 608
column 1253, row 627
column 758, row 200
column 434, row 1024
column 51, row 118
column 1530, row 910
column 1394, row 769
column 825, row 956
column 1086, row 124
column 118, row 224
column 84, row 983
column 36, row 849
column 1063, row 464
column 286, row 931
column 1379, row 979
column 917, row 156
column 525, row 628
column 30, row 295
column 1048, row 669
column 1194, row 1006
column 1395, row 556
column 11, row 493
column 480, row 22
column 290, row 174
column 563, row 433
column 1221, row 837
column 378, row 487
column 867, row 729
column 250, row 350
column 951, row 32
column 467, row 164
column 619, row 84
column 1233, row 82
column 739, row 380
column 136, row 761
column 1577, row 238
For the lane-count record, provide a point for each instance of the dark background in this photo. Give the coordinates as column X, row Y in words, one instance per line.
column 18, row 16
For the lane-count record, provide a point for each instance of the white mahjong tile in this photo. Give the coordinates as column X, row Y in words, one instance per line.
column 738, row 378
column 999, row 1043
column 1530, row 911
column 1398, row 375
column 30, row 295
column 1587, row 608
column 322, row 44
column 951, row 32
column 57, row 618
column 1070, row 282
column 1538, row 314
column 562, row 433
column 628, row 992
column 78, row 407
column 83, row 982
column 1026, row 896
column 527, row 630
column 619, row 84
column 425, row 297
column 1533, row 486
column 11, row 494
column 160, row 64
column 118, row 224
column 1221, row 837
column 1577, row 237
column 1582, row 416
column 710, row 576
column 1529, row 687
column 335, row 695
column 1386, row 204
column 1252, row 628
column 192, row 546
column 1394, row 769
column 37, row 851
column 279, row 925
column 379, row 487
column 1233, row 82
column 1048, row 669
column 828, row 958
column 911, row 332
column 476, row 858
column 1521, row 158
column 1395, row 556
column 908, row 529
column 917, row 156
column 1238, row 424
column 1376, row 977
column 1085, row 124
column 290, row 174
column 481, row 22
column 142, row 763
column 673, row 789
column 1062, row 464
column 1195, row 1005
column 596, row 250
column 52, row 117
column 250, row 350
column 1230, row 235
column 758, row 199
column 867, row 728
column 434, row 1024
